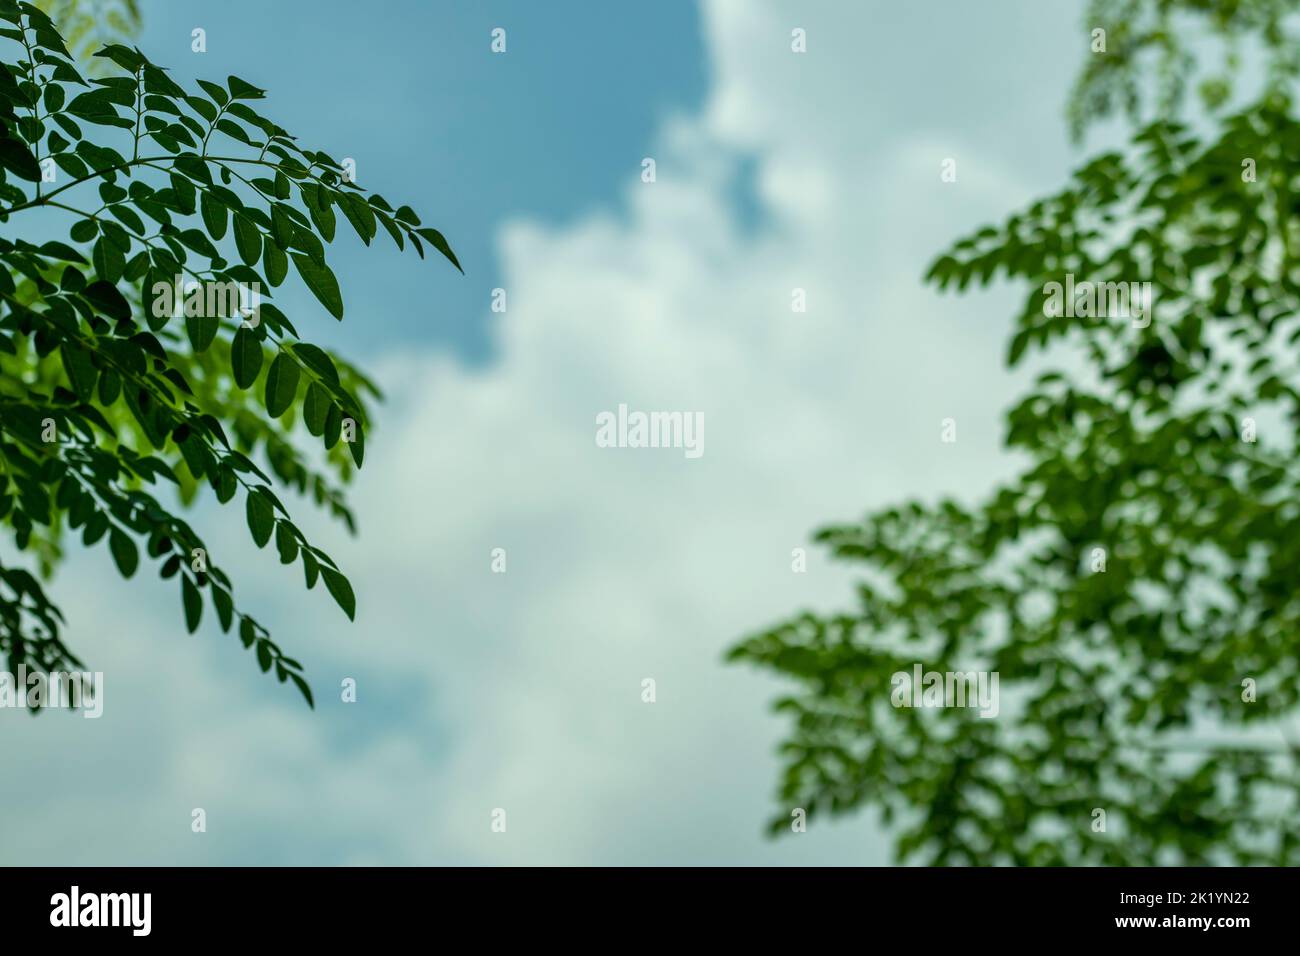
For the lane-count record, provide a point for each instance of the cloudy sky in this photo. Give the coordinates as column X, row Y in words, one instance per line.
column 522, row 691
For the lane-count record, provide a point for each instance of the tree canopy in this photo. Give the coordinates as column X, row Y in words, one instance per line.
column 1134, row 586
column 118, row 379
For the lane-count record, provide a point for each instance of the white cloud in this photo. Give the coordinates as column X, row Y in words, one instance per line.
column 522, row 690
column 627, row 564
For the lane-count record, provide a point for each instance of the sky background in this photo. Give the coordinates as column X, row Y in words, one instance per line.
column 522, row 690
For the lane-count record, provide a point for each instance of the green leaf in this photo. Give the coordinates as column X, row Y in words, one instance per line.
column 110, row 387
column 281, row 226
column 357, row 446
column 310, row 569
column 191, row 165
column 95, row 528
column 261, row 519
column 193, row 602
column 84, row 230
column 320, row 279
column 1018, row 343
column 128, row 218
column 359, row 213
column 61, row 250
column 214, row 215
column 124, row 551
column 202, row 329
column 224, row 606
column 315, row 407
column 196, row 240
column 286, row 543
column 18, row 159
column 281, row 385
column 341, row 591
column 333, row 426
column 302, row 686
column 436, row 239
column 243, row 91
column 248, row 240
column 274, row 261
column 106, row 297
column 234, row 131
column 217, row 93
column 318, row 360
column 108, row 259
column 53, row 98
column 80, row 368
column 124, row 57
column 323, row 217
column 202, row 107
column 245, row 357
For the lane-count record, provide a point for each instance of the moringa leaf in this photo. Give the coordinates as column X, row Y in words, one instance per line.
column 281, row 385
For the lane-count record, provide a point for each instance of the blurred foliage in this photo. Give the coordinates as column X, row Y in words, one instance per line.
column 1121, row 689
column 89, row 25
column 1154, row 49
column 103, row 395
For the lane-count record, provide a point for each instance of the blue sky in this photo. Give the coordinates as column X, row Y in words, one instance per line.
column 522, row 691
column 412, row 91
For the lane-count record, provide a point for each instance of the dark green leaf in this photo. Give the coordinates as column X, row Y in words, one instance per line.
column 261, row 518
column 248, row 240
column 245, row 357
column 214, row 215
column 315, row 407
column 281, row 385
column 320, row 279
column 341, row 591
column 193, row 602
column 124, row 551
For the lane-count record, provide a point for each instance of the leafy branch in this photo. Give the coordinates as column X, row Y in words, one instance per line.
column 110, row 384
